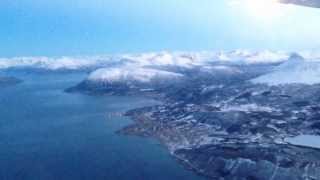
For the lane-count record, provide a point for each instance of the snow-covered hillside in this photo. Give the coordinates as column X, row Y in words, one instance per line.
column 252, row 57
column 296, row 70
column 137, row 74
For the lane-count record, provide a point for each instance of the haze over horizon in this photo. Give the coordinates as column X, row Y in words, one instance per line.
column 79, row 27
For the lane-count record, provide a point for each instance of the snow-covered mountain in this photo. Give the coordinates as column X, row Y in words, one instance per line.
column 296, row 70
column 164, row 65
column 180, row 59
column 136, row 74
column 252, row 57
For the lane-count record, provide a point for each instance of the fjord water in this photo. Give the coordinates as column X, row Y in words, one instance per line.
column 47, row 134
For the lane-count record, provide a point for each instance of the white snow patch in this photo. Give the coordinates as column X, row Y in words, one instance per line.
column 166, row 59
column 305, row 140
column 253, row 57
column 295, row 71
column 247, row 108
column 139, row 74
column 220, row 68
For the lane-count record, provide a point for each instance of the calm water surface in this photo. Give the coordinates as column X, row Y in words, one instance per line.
column 46, row 134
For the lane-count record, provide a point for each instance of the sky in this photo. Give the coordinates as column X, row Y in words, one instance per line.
column 95, row 27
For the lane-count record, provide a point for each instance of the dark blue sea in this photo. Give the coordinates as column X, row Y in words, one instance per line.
column 47, row 134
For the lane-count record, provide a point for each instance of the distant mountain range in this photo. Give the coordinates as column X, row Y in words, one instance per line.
column 183, row 59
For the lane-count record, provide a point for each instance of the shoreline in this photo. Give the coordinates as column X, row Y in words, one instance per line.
column 135, row 130
column 146, row 127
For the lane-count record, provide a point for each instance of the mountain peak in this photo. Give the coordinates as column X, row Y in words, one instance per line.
column 296, row 56
column 296, row 70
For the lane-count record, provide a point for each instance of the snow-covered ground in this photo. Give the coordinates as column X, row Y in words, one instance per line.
column 138, row 74
column 305, row 140
column 248, row 108
column 296, row 70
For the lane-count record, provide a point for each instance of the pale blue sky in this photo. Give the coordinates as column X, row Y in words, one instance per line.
column 90, row 27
